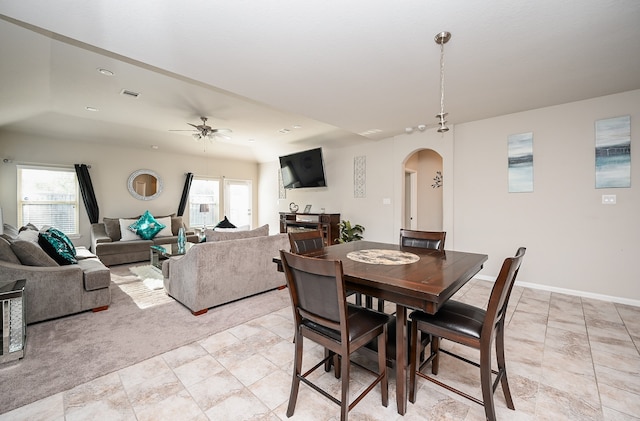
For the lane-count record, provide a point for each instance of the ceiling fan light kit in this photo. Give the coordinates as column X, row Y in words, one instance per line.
column 204, row 131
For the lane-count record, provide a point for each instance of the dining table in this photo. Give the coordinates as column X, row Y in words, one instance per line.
column 410, row 277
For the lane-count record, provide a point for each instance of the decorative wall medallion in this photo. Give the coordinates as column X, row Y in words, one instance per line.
column 360, row 176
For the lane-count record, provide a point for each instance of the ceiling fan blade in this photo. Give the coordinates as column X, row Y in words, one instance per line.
column 180, row 130
column 222, row 131
column 193, row 125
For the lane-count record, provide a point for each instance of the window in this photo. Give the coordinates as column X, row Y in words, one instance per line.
column 48, row 196
column 204, row 192
column 235, row 203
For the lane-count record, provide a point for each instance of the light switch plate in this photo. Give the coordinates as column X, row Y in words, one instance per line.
column 608, row 199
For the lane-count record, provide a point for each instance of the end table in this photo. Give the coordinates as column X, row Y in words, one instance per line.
column 13, row 320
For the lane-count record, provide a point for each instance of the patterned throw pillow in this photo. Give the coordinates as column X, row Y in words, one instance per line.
column 57, row 245
column 146, row 227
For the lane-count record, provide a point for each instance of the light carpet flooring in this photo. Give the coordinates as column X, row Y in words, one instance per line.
column 568, row 358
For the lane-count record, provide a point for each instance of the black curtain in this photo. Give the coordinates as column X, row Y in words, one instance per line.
column 185, row 194
column 88, row 195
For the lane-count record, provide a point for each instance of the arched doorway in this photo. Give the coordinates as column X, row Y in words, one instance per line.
column 422, row 201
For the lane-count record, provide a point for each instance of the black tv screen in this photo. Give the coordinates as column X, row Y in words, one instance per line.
column 303, row 169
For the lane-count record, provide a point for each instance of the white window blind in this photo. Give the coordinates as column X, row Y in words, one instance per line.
column 48, row 196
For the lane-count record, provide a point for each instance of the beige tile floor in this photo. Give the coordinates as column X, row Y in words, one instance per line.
column 568, row 358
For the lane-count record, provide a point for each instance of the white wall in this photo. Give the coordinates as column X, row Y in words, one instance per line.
column 110, row 169
column 573, row 241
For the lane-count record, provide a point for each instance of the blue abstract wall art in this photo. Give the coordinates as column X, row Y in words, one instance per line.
column 520, row 155
column 613, row 152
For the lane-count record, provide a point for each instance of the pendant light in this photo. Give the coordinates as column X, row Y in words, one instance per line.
column 442, row 38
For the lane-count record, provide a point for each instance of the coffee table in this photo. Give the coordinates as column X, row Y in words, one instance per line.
column 163, row 252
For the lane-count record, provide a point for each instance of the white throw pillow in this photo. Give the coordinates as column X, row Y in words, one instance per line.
column 166, row 231
column 125, row 232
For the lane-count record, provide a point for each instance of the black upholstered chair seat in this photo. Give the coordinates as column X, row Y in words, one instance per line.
column 361, row 322
column 453, row 316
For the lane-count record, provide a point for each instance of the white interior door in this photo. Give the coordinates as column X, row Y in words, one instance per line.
column 411, row 200
column 238, row 203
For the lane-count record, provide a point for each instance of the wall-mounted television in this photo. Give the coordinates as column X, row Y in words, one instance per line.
column 303, row 169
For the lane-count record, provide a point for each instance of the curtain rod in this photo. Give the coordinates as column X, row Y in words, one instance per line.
column 43, row 164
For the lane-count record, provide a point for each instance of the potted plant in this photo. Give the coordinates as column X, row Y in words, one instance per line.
column 350, row 232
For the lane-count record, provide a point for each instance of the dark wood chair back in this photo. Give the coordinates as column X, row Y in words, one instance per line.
column 306, row 242
column 321, row 314
column 474, row 327
column 424, row 239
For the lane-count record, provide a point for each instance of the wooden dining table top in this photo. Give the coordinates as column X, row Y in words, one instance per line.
column 425, row 284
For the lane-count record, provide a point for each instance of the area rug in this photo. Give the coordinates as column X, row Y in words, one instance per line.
column 150, row 275
column 140, row 324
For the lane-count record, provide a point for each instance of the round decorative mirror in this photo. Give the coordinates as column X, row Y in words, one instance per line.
column 144, row 184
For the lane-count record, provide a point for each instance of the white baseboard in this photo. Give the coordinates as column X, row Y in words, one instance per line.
column 609, row 298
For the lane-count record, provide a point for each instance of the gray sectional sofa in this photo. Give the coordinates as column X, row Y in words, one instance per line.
column 52, row 290
column 227, row 267
column 108, row 244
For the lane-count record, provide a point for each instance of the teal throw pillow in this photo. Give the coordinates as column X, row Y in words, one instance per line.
column 58, row 246
column 146, row 227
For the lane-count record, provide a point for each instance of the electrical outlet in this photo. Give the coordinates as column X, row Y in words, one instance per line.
column 608, row 199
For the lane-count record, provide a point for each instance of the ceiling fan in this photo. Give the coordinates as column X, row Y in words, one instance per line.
column 204, row 131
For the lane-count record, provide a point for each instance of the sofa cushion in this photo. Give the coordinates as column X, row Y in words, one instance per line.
column 125, row 233
column 176, row 224
column 28, row 235
column 6, row 254
column 166, row 231
column 31, row 254
column 112, row 227
column 10, row 231
column 147, row 226
column 225, row 224
column 57, row 245
column 29, row 226
column 212, row 235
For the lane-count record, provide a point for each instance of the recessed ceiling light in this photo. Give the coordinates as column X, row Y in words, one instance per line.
column 251, row 140
column 368, row 132
column 296, row 126
column 91, row 109
column 105, row 72
column 154, row 146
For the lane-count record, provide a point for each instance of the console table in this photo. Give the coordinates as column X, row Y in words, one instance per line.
column 328, row 223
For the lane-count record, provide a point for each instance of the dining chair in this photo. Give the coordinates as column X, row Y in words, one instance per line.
column 321, row 314
column 424, row 239
column 474, row 327
column 306, row 242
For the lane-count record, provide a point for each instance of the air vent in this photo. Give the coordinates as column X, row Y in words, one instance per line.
column 284, row 131
column 132, row 94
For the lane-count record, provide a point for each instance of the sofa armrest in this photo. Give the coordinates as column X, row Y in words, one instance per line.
column 98, row 235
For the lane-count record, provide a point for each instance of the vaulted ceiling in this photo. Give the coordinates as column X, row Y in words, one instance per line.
column 291, row 75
